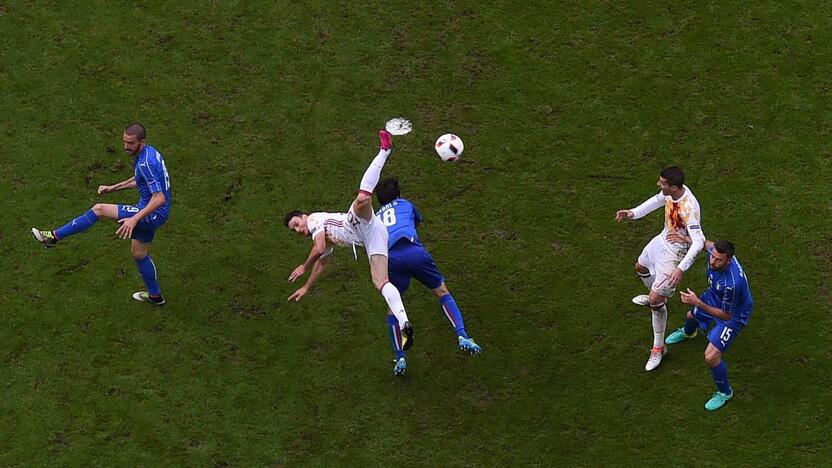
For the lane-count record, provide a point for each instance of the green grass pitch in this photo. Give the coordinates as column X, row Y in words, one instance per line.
column 568, row 111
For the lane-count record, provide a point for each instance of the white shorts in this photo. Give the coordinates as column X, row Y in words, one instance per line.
column 661, row 262
column 372, row 233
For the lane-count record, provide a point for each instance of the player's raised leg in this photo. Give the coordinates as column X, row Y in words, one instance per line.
column 147, row 269
column 658, row 307
column 363, row 204
column 80, row 224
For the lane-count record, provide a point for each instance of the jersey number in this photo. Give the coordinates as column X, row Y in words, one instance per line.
column 725, row 336
column 167, row 177
column 388, row 217
column 351, row 219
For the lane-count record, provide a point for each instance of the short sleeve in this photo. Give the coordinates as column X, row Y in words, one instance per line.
column 314, row 224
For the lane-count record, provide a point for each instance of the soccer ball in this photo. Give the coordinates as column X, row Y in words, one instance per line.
column 449, row 147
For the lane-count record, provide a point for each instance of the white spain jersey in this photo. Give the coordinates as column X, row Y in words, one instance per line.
column 682, row 216
column 335, row 227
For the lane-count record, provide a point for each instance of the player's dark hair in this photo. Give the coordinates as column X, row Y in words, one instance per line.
column 291, row 215
column 725, row 247
column 674, row 175
column 388, row 190
column 137, row 130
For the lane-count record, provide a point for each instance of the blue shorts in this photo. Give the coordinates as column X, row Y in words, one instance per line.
column 723, row 333
column 146, row 229
column 406, row 260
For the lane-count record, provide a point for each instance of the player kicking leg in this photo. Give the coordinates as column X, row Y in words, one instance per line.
column 374, row 234
column 138, row 248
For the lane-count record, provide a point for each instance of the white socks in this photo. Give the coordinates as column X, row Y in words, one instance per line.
column 647, row 279
column 394, row 302
column 659, row 326
column 372, row 174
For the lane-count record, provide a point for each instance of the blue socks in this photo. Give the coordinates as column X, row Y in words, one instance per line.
column 395, row 335
column 148, row 271
column 690, row 326
column 454, row 315
column 79, row 224
column 720, row 374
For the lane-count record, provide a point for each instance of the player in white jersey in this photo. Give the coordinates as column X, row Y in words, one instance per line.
column 358, row 227
column 664, row 261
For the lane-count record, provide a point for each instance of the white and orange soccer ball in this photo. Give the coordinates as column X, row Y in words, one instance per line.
column 449, row 147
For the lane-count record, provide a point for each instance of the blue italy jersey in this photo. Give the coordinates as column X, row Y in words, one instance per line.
column 400, row 217
column 730, row 288
column 151, row 177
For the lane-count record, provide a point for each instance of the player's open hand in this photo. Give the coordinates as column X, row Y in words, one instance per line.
column 297, row 273
column 125, row 231
column 297, row 295
column 689, row 297
column 676, row 277
column 621, row 215
column 102, row 189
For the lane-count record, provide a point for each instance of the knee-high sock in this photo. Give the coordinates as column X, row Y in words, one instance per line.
column 720, row 375
column 79, row 224
column 372, row 174
column 659, row 326
column 395, row 335
column 454, row 314
column 148, row 271
column 646, row 278
column 690, row 326
column 394, row 302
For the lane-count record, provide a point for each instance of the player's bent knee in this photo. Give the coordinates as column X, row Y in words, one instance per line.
column 442, row 290
column 641, row 268
column 712, row 357
column 657, row 305
column 138, row 251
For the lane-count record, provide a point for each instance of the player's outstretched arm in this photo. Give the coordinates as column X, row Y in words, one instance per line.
column 317, row 270
column 318, row 249
column 125, row 184
column 650, row 205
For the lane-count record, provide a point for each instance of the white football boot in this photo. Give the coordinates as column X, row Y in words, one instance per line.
column 656, row 355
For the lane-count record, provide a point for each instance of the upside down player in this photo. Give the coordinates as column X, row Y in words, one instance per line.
column 356, row 227
column 665, row 259
column 409, row 259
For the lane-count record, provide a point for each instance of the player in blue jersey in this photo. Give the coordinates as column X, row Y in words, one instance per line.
column 409, row 259
column 726, row 304
column 137, row 222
